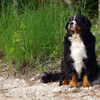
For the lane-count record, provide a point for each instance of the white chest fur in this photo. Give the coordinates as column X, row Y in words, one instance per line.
column 78, row 52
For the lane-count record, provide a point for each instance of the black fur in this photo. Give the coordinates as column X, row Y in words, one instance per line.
column 92, row 69
column 49, row 77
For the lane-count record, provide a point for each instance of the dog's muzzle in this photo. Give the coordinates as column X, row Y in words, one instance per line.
column 72, row 25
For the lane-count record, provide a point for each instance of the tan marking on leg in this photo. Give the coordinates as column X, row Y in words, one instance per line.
column 86, row 82
column 74, row 81
column 65, row 82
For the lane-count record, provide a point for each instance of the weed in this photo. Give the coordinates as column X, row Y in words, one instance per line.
column 74, row 91
column 36, row 33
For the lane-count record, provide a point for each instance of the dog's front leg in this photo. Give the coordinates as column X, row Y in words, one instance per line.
column 86, row 82
column 74, row 81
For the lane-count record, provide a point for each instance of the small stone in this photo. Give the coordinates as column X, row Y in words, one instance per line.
column 32, row 79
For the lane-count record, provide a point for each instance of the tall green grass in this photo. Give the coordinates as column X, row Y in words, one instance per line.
column 34, row 35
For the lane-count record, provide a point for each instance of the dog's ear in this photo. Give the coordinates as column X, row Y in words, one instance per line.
column 66, row 27
column 87, row 23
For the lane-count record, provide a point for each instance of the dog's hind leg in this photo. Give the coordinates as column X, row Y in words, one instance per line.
column 63, row 79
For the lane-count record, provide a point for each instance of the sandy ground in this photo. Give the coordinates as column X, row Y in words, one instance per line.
column 19, row 89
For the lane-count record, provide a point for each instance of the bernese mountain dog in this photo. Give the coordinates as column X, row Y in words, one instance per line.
column 79, row 62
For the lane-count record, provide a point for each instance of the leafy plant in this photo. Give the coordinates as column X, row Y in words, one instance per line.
column 36, row 33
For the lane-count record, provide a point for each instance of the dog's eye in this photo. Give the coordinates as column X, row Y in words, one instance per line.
column 71, row 19
column 76, row 18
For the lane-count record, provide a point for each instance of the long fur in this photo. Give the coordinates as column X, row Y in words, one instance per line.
column 88, row 64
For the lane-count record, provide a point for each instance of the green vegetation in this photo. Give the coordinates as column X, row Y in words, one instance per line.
column 35, row 34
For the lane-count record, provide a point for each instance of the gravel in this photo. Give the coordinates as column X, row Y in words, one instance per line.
column 19, row 89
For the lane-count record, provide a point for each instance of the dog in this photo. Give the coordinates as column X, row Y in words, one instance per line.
column 79, row 62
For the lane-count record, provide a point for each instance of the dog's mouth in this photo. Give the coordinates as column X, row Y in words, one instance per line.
column 74, row 28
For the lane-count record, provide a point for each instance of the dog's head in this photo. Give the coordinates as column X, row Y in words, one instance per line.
column 77, row 24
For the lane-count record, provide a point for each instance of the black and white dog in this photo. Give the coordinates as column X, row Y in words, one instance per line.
column 79, row 63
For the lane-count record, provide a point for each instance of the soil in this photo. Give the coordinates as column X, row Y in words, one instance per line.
column 20, row 89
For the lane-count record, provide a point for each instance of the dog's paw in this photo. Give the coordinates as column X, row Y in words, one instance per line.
column 72, row 89
column 88, row 88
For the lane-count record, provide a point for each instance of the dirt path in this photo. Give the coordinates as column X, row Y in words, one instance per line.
column 19, row 89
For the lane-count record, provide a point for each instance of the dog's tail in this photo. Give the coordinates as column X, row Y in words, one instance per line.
column 50, row 77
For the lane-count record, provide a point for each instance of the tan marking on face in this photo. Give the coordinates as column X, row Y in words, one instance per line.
column 78, row 29
column 76, row 18
column 71, row 31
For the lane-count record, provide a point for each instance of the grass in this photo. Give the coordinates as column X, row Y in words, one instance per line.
column 35, row 35
column 94, row 30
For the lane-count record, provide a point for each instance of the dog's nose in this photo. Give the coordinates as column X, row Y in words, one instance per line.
column 71, row 23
